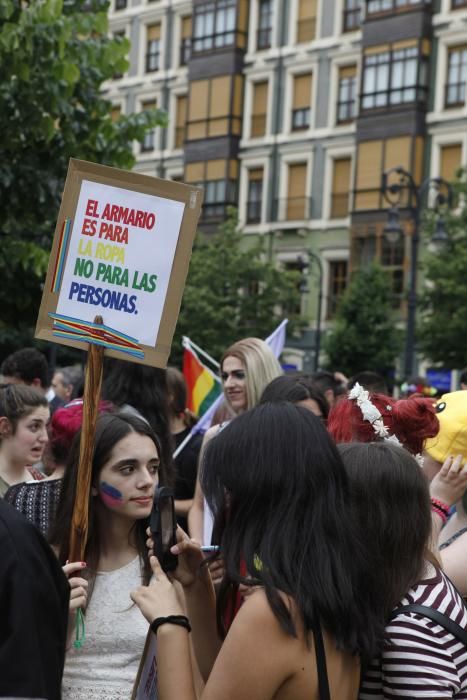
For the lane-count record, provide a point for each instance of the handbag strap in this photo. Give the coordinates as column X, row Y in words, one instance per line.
column 443, row 620
column 323, row 684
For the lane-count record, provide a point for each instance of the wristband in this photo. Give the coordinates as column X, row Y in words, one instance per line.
column 439, row 512
column 443, row 507
column 179, row 620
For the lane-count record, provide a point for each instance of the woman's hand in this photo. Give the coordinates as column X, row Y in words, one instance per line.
column 190, row 558
column 450, row 482
column 78, row 585
column 160, row 598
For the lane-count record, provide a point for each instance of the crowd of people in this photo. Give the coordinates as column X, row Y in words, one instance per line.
column 320, row 543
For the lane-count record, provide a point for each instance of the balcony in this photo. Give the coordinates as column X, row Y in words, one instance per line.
column 339, row 205
column 263, row 38
column 253, row 212
column 258, row 126
column 180, row 135
column 291, row 209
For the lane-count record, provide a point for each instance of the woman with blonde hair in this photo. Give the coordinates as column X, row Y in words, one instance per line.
column 247, row 367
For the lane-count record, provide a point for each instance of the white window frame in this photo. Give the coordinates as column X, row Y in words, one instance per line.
column 245, row 167
column 147, row 22
column 259, row 77
column 336, row 64
column 253, row 28
column 292, row 72
column 156, row 151
column 293, row 27
column 333, row 154
column 286, row 160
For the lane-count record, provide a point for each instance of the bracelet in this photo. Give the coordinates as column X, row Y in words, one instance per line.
column 443, row 507
column 179, row 620
column 439, row 512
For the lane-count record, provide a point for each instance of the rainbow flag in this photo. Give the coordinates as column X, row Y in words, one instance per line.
column 203, row 387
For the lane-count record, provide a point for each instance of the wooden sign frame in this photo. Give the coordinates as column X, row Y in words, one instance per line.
column 120, row 344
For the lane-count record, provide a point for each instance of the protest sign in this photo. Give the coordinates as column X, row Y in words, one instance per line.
column 145, row 687
column 121, row 250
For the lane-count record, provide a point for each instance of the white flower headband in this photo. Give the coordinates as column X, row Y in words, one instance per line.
column 374, row 417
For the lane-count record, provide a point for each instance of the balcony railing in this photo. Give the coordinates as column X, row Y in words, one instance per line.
column 291, row 209
column 253, row 212
column 258, row 125
column 455, row 94
column 180, row 135
column 339, row 206
column 185, row 51
column 263, row 38
column 306, row 30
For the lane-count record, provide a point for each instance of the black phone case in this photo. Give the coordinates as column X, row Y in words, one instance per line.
column 163, row 496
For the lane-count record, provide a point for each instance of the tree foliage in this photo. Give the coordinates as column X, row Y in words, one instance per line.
column 442, row 332
column 55, row 56
column 233, row 292
column 364, row 336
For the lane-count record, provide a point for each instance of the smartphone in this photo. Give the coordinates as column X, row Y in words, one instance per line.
column 163, row 527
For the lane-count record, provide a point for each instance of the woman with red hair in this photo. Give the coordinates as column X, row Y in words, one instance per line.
column 409, row 423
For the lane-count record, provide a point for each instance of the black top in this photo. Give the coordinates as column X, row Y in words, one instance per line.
column 186, row 464
column 37, row 500
column 34, row 596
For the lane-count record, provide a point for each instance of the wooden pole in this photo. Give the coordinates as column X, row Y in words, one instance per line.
column 91, row 398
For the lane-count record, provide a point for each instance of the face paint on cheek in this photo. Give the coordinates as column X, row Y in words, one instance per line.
column 110, row 496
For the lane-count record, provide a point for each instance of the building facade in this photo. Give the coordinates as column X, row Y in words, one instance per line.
column 291, row 110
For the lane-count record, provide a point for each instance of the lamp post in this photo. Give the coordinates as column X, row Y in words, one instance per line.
column 304, row 265
column 395, row 183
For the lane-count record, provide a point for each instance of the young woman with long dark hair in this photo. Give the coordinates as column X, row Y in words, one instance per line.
column 278, row 488
column 419, row 658
column 126, row 468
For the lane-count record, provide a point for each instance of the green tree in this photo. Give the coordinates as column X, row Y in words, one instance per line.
column 233, row 292
column 364, row 336
column 442, row 332
column 55, row 56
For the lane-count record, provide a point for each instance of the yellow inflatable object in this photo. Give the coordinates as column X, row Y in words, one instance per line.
column 451, row 410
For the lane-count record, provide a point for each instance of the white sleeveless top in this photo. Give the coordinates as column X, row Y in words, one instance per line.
column 105, row 667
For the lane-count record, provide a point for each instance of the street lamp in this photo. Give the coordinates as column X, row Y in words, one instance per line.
column 395, row 183
column 304, row 265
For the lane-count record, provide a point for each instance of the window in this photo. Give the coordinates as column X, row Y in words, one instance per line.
column 215, row 107
column 180, row 124
column 214, row 25
column 185, row 44
column 374, row 157
column 119, row 36
column 306, row 23
column 264, row 32
column 450, row 161
column 218, row 178
column 297, row 202
column 392, row 259
column 386, row 6
column 340, row 188
column 352, row 15
column 255, row 196
column 457, row 77
column 455, row 4
column 301, row 109
column 149, row 137
column 347, row 94
column 369, row 244
column 115, row 112
column 153, row 47
column 394, row 76
column 336, row 285
column 120, row 4
column 258, row 116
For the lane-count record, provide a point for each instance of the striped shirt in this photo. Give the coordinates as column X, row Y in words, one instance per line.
column 420, row 659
